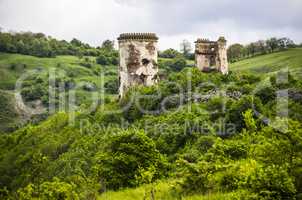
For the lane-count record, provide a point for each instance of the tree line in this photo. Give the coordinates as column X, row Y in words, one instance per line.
column 238, row 51
column 40, row 45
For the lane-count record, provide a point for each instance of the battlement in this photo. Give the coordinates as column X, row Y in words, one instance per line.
column 204, row 41
column 207, row 41
column 138, row 37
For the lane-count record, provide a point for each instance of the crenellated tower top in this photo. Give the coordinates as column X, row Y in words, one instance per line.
column 138, row 37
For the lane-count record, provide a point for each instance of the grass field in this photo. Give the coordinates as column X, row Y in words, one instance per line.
column 162, row 190
column 270, row 63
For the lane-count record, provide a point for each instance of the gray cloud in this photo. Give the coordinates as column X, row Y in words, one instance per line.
column 95, row 20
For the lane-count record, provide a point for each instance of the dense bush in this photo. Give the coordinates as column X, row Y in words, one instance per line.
column 8, row 113
column 169, row 53
column 267, row 94
column 176, row 64
column 126, row 154
column 112, row 86
column 237, row 108
column 107, row 57
column 271, row 182
column 49, row 190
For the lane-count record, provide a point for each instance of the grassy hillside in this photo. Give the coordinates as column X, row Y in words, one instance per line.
column 13, row 65
column 68, row 69
column 270, row 63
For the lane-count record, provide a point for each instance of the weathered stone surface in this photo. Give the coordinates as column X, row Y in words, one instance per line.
column 211, row 55
column 138, row 60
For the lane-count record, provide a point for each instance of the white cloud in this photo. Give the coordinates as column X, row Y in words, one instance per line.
column 173, row 20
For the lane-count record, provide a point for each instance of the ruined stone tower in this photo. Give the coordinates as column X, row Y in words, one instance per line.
column 138, row 60
column 211, row 55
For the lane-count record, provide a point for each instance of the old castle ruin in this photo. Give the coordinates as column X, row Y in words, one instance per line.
column 138, row 60
column 211, row 55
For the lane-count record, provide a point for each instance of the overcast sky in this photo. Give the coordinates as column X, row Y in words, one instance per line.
column 93, row 21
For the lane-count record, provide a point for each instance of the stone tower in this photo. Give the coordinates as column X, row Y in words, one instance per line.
column 211, row 55
column 138, row 60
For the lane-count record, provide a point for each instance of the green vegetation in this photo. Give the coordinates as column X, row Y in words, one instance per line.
column 238, row 52
column 73, row 74
column 218, row 147
column 191, row 136
column 8, row 116
column 38, row 44
column 291, row 58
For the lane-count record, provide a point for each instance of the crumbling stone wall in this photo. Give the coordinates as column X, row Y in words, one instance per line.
column 138, row 60
column 211, row 55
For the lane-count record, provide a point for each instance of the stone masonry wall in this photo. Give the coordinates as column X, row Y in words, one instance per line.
column 138, row 60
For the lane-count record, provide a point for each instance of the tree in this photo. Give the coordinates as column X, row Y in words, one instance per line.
column 251, row 49
column 127, row 154
column 169, row 53
column 185, row 47
column 178, row 63
column 235, row 52
column 102, row 60
column 76, row 42
column 260, row 47
column 285, row 43
column 108, row 45
column 272, row 43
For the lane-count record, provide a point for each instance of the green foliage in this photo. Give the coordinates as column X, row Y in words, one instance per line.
column 112, row 86
column 178, row 63
column 273, row 62
column 38, row 44
column 126, row 155
column 169, row 53
column 267, row 94
column 237, row 51
column 237, row 108
column 249, row 120
column 107, row 57
column 49, row 190
column 167, row 132
column 271, row 182
column 8, row 113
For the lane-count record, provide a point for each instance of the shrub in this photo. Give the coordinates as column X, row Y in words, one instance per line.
column 53, row 190
column 126, row 154
column 169, row 53
column 197, row 177
column 267, row 94
column 178, row 63
column 272, row 182
column 102, row 60
column 237, row 108
column 112, row 86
